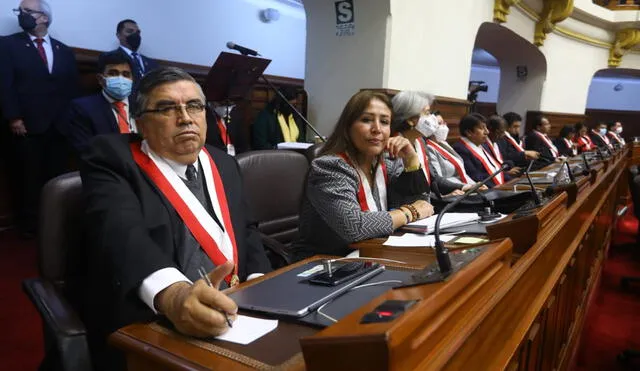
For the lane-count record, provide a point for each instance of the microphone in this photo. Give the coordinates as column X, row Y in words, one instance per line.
column 442, row 254
column 534, row 193
column 241, row 49
column 572, row 178
column 586, row 163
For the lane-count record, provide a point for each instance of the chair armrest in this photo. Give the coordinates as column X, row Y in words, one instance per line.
column 276, row 247
column 54, row 309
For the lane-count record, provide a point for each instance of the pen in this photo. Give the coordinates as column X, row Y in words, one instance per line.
column 205, row 277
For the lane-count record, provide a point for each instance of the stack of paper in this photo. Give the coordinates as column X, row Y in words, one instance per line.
column 448, row 220
column 413, row 240
column 245, row 329
column 294, row 145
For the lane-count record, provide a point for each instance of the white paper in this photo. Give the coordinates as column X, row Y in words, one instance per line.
column 413, row 239
column 448, row 220
column 294, row 145
column 246, row 330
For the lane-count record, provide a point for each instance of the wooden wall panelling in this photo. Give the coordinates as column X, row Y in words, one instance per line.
column 558, row 120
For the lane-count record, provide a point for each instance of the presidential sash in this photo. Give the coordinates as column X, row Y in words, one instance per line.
column 547, row 142
column 489, row 167
column 365, row 197
column 424, row 160
column 218, row 243
column 513, row 142
column 456, row 162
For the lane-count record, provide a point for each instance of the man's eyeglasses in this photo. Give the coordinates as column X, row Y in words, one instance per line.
column 192, row 108
column 32, row 12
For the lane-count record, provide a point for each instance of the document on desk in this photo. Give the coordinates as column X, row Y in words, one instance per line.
column 414, row 239
column 246, row 330
column 448, row 220
column 294, row 145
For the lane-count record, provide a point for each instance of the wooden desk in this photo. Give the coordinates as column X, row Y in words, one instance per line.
column 490, row 316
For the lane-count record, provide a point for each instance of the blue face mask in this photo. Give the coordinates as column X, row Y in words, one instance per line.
column 603, row 131
column 118, row 87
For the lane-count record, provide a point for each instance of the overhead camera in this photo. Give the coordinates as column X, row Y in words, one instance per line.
column 474, row 88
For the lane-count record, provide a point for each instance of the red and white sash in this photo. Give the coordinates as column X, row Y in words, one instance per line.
column 571, row 146
column 455, row 161
column 219, row 244
column 486, row 162
column 513, row 142
column 603, row 137
column 614, row 136
column 585, row 142
column 365, row 197
column 495, row 153
column 547, row 142
column 424, row 160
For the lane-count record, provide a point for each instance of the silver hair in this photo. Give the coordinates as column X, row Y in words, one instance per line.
column 407, row 104
column 46, row 9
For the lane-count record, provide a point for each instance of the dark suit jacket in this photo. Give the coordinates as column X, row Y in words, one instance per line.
column 148, row 63
column 563, row 148
column 28, row 91
column 234, row 130
column 472, row 165
column 613, row 139
column 534, row 143
column 511, row 153
column 90, row 116
column 266, row 133
column 597, row 140
column 134, row 231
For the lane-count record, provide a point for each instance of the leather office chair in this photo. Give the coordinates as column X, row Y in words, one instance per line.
column 313, row 151
column 58, row 293
column 274, row 182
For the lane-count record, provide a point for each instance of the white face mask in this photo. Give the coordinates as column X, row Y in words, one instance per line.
column 619, row 130
column 427, row 125
column 603, row 131
column 441, row 133
column 222, row 110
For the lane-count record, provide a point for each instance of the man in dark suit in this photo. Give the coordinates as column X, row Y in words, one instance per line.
column 510, row 144
column 129, row 36
column 105, row 112
column 598, row 135
column 229, row 138
column 38, row 78
column 538, row 140
column 158, row 210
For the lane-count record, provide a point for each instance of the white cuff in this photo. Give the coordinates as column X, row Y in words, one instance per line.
column 158, row 281
column 254, row 275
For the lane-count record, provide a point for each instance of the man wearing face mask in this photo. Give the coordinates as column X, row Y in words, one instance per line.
column 129, row 36
column 598, row 136
column 105, row 112
column 225, row 133
column 614, row 129
column 38, row 79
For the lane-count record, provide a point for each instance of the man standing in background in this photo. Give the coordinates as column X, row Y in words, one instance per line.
column 129, row 35
column 38, row 77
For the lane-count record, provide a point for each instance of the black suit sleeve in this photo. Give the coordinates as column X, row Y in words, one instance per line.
column 120, row 234
column 79, row 129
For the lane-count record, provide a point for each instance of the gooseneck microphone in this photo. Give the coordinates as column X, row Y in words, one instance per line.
column 241, row 49
column 442, row 253
column 586, row 163
column 534, row 193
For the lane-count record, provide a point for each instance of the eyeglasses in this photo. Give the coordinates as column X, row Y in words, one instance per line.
column 173, row 111
column 17, row 11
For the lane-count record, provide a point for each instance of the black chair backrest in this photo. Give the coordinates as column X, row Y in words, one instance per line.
column 62, row 255
column 634, row 189
column 274, row 185
column 313, row 151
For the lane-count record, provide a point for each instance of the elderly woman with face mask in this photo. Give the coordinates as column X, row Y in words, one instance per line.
column 414, row 121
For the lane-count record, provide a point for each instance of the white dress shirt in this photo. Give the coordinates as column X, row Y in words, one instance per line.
column 130, row 120
column 48, row 50
column 165, row 277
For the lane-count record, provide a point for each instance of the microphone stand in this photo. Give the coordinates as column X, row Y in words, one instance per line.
column 442, row 253
column 293, row 108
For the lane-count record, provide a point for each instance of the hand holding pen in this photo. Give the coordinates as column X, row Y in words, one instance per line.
column 205, row 277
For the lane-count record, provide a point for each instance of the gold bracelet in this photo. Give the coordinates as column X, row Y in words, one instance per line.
column 412, row 168
column 414, row 211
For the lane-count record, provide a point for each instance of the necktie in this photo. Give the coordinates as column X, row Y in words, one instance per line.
column 41, row 51
column 191, row 173
column 137, row 64
column 123, row 124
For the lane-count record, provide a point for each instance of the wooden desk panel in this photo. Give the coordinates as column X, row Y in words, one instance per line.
column 490, row 316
